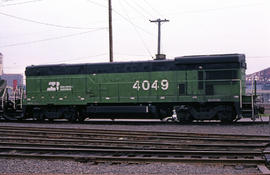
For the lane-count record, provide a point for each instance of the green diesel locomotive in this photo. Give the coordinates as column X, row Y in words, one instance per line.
column 207, row 87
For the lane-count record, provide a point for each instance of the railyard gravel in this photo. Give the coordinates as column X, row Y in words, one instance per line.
column 155, row 125
column 37, row 166
column 31, row 166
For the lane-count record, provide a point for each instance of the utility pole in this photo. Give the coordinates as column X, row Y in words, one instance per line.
column 159, row 21
column 110, row 31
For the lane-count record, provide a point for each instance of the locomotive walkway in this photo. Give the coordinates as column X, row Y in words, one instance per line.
column 133, row 146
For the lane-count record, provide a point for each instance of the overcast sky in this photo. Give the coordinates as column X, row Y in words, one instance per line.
column 76, row 31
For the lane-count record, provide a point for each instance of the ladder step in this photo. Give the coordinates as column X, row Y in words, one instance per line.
column 246, row 110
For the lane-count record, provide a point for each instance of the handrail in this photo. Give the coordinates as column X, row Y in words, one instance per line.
column 21, row 103
column 241, row 96
column 3, row 97
column 252, row 105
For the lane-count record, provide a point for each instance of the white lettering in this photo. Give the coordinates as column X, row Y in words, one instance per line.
column 164, row 85
column 55, row 86
column 146, row 85
column 136, row 85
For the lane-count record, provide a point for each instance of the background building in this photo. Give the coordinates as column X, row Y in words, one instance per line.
column 263, row 87
column 13, row 80
column 262, row 84
column 1, row 64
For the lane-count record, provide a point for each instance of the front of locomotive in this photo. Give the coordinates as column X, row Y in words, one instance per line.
column 249, row 100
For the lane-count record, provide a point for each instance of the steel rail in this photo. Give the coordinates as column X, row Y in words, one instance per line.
column 152, row 147
column 175, row 134
column 131, row 135
column 145, row 159
column 128, row 142
column 101, row 138
column 134, row 151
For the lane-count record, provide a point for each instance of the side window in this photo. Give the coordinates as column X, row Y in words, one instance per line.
column 182, row 89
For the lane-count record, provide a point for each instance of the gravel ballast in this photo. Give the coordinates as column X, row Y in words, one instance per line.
column 34, row 166
column 31, row 166
column 215, row 128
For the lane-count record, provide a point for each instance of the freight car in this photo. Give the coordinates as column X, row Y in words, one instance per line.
column 207, row 87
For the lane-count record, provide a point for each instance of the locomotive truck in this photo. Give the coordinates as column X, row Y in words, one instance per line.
column 204, row 87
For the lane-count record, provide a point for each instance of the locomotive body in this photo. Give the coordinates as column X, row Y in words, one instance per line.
column 195, row 87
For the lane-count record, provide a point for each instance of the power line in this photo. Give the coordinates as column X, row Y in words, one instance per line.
column 142, row 9
column 42, row 23
column 128, row 20
column 119, row 14
column 155, row 10
column 26, row 34
column 48, row 39
column 217, row 9
column 145, row 46
column 59, row 61
column 20, row 3
column 75, row 59
column 135, row 9
column 98, row 4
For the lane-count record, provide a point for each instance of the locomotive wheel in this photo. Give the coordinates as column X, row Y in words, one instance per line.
column 170, row 119
column 6, row 117
column 184, row 117
column 81, row 117
column 40, row 118
column 226, row 116
column 73, row 117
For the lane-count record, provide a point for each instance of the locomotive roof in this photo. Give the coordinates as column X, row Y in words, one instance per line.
column 195, row 59
column 225, row 61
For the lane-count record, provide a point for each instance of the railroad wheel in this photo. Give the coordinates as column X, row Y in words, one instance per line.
column 184, row 116
column 169, row 119
column 81, row 117
column 40, row 118
column 226, row 116
column 73, row 117
column 7, row 117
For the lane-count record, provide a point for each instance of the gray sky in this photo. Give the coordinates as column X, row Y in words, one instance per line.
column 76, row 31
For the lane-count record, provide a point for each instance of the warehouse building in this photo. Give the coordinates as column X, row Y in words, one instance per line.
column 13, row 80
column 262, row 84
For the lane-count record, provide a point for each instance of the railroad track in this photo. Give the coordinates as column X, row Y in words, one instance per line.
column 132, row 146
column 142, row 122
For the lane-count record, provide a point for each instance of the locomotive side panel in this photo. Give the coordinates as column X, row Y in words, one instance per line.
column 197, row 87
column 55, row 90
column 138, row 87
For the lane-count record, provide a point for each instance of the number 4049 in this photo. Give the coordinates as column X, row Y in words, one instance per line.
column 146, row 85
